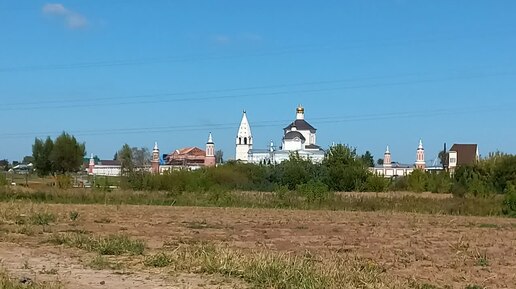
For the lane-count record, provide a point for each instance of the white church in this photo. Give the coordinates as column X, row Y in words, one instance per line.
column 299, row 136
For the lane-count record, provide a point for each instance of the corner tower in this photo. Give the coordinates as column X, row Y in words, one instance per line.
column 155, row 159
column 209, row 160
column 387, row 162
column 244, row 139
column 420, row 157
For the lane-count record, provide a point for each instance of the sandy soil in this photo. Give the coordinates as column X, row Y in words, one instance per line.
column 441, row 250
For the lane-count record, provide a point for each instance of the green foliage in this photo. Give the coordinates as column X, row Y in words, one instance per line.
column 41, row 152
column 73, row 215
column 125, row 155
column 509, row 202
column 368, row 159
column 417, row 181
column 42, row 218
column 158, row 260
column 64, row 181
column 343, row 171
column 377, row 183
column 440, row 182
column 3, row 179
column 67, row 154
column 314, row 191
column 63, row 155
column 109, row 245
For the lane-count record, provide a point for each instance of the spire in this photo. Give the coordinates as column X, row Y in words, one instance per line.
column 245, row 129
column 420, row 156
column 155, row 146
column 387, row 161
column 210, row 139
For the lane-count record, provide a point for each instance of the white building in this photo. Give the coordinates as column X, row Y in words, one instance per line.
column 298, row 137
column 391, row 169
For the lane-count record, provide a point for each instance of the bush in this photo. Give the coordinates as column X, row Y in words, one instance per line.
column 509, row 203
column 377, row 183
column 314, row 191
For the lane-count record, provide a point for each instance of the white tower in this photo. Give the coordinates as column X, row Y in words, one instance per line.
column 209, row 160
column 244, row 139
column 420, row 156
column 155, row 159
column 387, row 162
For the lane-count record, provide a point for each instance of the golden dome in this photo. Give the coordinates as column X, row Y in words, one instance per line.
column 300, row 109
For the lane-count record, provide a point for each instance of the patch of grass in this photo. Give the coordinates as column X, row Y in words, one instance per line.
column 481, row 259
column 6, row 282
column 474, row 287
column 158, row 260
column 111, row 245
column 73, row 215
column 198, row 225
column 42, row 218
column 487, row 225
column 101, row 263
column 265, row 269
column 450, row 206
column 103, row 220
column 27, row 230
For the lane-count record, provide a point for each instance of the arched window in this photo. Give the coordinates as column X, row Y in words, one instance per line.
column 239, row 140
column 245, row 140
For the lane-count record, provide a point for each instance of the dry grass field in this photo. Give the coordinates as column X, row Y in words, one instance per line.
column 99, row 246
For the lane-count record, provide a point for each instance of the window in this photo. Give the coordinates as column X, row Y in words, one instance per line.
column 245, row 140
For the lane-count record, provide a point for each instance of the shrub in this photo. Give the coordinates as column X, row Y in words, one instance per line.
column 377, row 183
column 42, row 218
column 74, row 215
column 509, row 202
column 314, row 191
column 158, row 260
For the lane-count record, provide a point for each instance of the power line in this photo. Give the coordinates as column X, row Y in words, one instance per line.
column 122, row 100
column 270, row 123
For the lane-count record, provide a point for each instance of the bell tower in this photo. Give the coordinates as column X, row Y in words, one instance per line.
column 244, row 139
column 155, row 159
column 387, row 162
column 420, row 157
column 209, row 160
column 91, row 165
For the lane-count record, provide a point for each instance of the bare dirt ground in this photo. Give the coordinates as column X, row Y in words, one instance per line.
column 442, row 250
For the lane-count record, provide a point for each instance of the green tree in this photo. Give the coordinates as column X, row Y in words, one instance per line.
column 67, row 154
column 125, row 155
column 41, row 151
column 294, row 171
column 379, row 162
column 344, row 171
column 368, row 159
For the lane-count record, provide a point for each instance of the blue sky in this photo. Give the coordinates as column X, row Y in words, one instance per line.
column 369, row 73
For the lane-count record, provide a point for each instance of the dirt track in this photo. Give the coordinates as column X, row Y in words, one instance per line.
column 441, row 250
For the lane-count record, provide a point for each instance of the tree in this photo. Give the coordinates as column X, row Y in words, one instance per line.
column 125, row 155
column 379, row 162
column 219, row 154
column 4, row 164
column 41, row 151
column 67, row 154
column 115, row 157
column 368, row 159
column 141, row 157
column 344, row 171
column 28, row 159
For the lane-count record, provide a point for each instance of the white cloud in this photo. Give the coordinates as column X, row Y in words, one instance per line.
column 221, row 39
column 71, row 18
